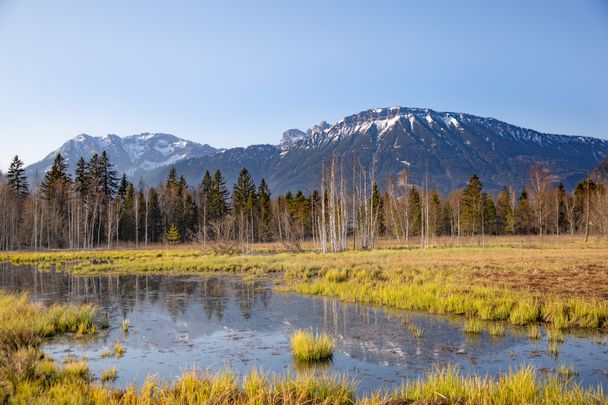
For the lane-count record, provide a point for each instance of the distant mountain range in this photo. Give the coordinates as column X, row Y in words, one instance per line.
column 450, row 147
column 134, row 155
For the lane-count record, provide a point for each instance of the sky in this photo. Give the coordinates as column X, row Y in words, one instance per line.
column 234, row 73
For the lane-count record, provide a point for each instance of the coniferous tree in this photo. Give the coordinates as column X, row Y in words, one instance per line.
column 265, row 212
column 127, row 214
column 109, row 179
column 243, row 193
column 173, row 235
column 523, row 214
column 505, row 219
column 155, row 217
column 81, row 178
column 243, row 202
column 16, row 180
column 489, row 215
column 123, row 186
column 204, row 196
column 219, row 198
column 415, row 211
column 377, row 206
column 472, row 205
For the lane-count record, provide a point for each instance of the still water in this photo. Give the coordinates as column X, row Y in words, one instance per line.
column 223, row 322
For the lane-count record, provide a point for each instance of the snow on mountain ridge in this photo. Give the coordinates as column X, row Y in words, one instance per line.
column 132, row 154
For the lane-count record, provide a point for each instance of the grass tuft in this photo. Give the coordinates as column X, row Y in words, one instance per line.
column 109, row 375
column 306, row 346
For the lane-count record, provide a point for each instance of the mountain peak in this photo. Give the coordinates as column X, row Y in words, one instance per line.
column 132, row 154
column 291, row 136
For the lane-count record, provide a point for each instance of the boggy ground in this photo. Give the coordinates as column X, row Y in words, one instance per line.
column 28, row 376
column 563, row 283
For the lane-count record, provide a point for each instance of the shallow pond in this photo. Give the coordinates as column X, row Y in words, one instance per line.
column 223, row 322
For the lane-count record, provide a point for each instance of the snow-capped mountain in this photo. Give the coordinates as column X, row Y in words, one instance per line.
column 135, row 155
column 449, row 146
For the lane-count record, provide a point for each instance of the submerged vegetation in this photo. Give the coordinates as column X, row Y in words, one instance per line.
column 307, row 346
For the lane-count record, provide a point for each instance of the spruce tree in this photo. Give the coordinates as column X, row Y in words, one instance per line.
column 504, row 212
column 173, row 235
column 243, row 193
column 123, row 186
column 472, row 205
column 219, row 197
column 489, row 215
column 16, row 179
column 56, row 177
column 109, row 179
column 82, row 178
column 265, row 212
column 127, row 214
column 523, row 214
column 155, row 216
column 415, row 212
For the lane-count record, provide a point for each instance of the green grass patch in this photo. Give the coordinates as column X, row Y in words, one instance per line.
column 307, row 346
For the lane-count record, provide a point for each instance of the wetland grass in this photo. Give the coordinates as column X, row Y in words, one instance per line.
column 500, row 283
column 534, row 332
column 119, row 349
column 496, row 330
column 125, row 325
column 310, row 347
column 27, row 376
column 472, row 327
column 109, row 375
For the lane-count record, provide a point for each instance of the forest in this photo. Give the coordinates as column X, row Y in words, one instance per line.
column 98, row 208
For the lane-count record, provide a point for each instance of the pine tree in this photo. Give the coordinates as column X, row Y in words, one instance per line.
column 173, row 235
column 16, row 179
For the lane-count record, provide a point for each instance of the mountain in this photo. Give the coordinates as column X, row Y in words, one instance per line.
column 134, row 155
column 600, row 173
column 449, row 146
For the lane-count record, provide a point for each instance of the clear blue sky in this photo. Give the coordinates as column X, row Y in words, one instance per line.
column 234, row 73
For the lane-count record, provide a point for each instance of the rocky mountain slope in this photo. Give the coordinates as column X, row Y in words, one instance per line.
column 450, row 146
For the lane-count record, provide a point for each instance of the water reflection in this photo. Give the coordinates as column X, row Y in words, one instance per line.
column 217, row 322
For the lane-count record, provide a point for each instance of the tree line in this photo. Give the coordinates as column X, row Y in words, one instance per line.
column 98, row 208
